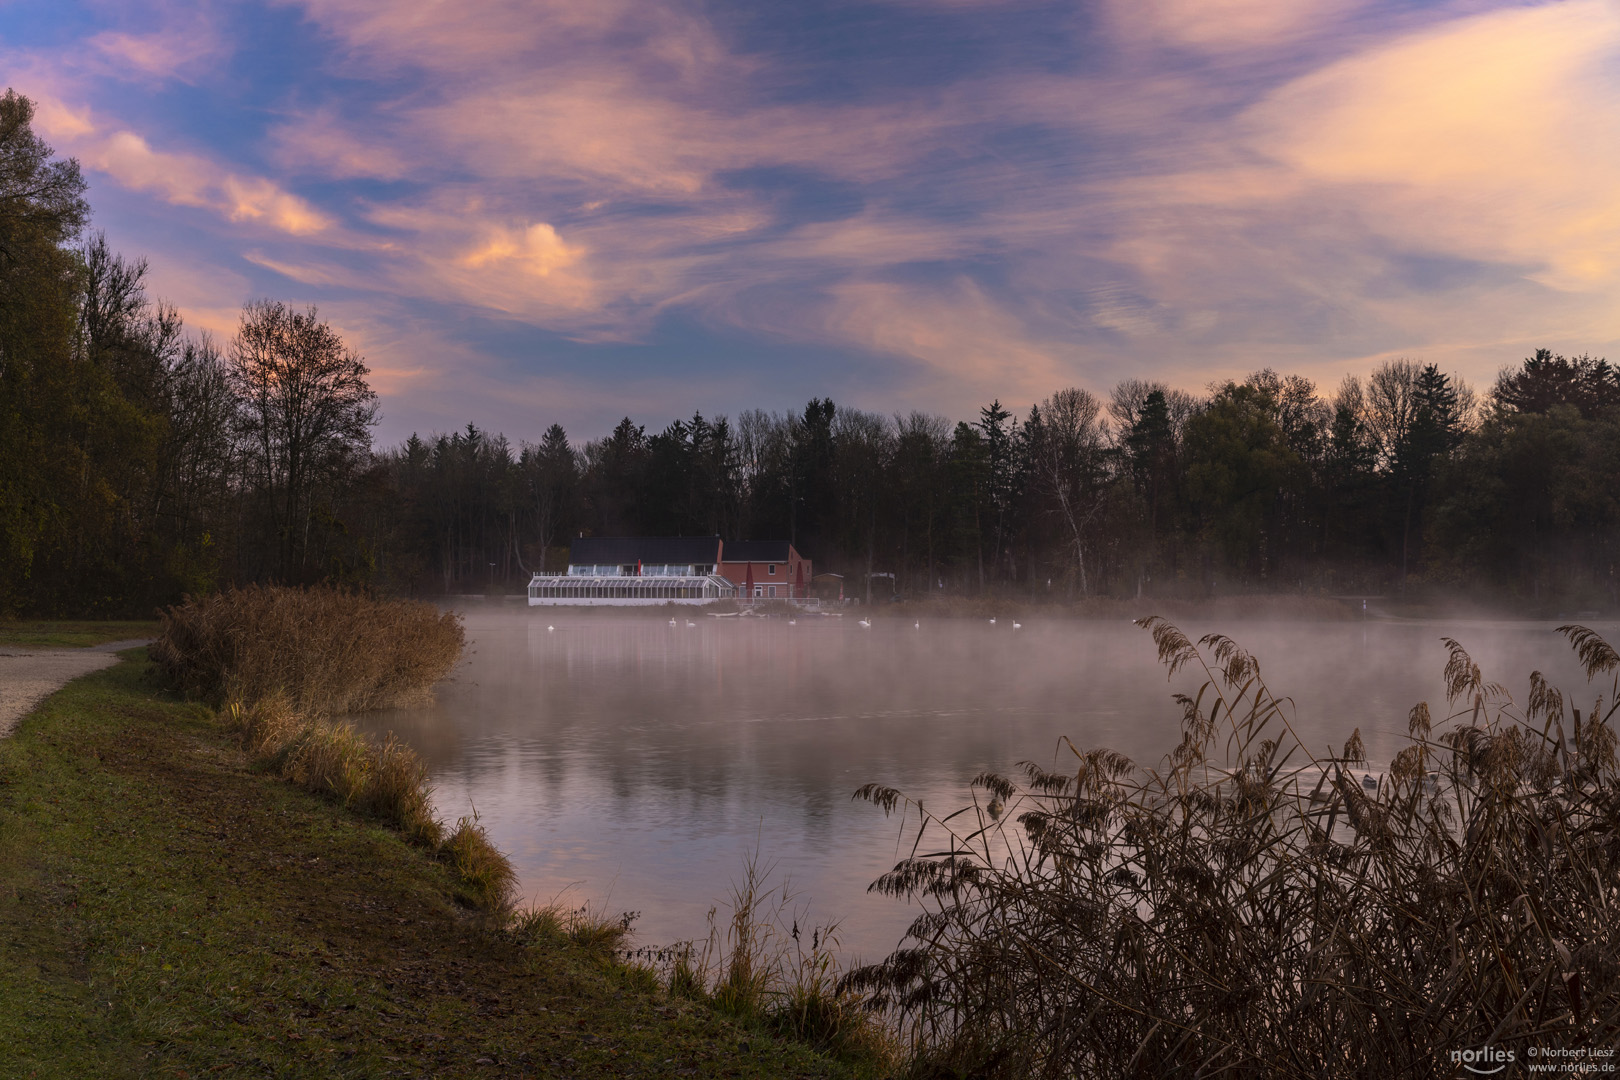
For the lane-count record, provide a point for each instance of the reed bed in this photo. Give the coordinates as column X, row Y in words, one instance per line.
column 284, row 661
column 323, row 650
column 1249, row 908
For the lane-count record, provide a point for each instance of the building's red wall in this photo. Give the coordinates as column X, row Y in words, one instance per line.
column 786, row 575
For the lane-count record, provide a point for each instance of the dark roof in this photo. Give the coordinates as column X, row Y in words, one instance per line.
column 657, row 550
column 766, row 551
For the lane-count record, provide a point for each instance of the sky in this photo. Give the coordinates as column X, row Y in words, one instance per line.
column 524, row 212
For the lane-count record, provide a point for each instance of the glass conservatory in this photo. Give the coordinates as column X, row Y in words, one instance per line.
column 618, row 590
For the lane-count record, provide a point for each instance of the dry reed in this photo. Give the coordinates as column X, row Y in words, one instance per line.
column 285, row 660
column 1248, row 909
column 324, row 651
column 485, row 874
column 772, row 969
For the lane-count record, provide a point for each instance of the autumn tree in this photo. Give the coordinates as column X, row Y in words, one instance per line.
column 304, row 418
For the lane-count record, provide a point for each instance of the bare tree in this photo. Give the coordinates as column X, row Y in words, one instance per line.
column 1067, row 438
column 1392, row 405
column 1126, row 400
column 304, row 414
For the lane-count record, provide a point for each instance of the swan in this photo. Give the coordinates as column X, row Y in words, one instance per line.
column 551, row 628
column 793, row 622
column 672, row 622
column 992, row 622
column 690, row 624
column 866, row 624
column 1017, row 625
column 916, row 625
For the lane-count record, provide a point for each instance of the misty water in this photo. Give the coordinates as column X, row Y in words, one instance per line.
column 632, row 764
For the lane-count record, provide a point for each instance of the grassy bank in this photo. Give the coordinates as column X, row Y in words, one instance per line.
column 50, row 633
column 166, row 910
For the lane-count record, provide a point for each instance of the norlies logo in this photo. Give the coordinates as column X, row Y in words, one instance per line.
column 1486, row 1061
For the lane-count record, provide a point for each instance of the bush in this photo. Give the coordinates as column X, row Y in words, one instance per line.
column 284, row 660
column 323, row 651
column 1250, row 909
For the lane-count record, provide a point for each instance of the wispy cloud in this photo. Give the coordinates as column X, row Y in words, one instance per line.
column 178, row 178
column 1176, row 187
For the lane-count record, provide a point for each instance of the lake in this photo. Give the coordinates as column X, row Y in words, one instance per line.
column 633, row 764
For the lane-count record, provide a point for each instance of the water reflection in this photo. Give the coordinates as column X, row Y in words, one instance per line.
column 635, row 761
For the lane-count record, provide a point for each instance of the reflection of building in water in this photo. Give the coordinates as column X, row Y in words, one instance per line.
column 631, row 570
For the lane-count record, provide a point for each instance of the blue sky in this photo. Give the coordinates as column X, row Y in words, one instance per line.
column 525, row 212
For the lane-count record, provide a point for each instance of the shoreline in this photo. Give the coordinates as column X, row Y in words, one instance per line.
column 1237, row 607
column 174, row 909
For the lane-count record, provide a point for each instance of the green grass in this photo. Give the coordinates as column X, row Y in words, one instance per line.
column 72, row 634
column 166, row 911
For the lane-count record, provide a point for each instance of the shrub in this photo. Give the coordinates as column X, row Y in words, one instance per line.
column 285, row 660
column 1250, row 909
column 323, row 650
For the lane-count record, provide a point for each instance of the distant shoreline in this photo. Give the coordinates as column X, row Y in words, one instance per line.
column 1243, row 607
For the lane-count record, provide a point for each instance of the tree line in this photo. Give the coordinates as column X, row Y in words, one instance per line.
column 140, row 462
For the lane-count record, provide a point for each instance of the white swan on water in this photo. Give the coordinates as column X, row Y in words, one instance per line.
column 992, row 622
column 1018, row 625
column 916, row 625
column 672, row 622
column 866, row 624
column 690, row 624
column 551, row 628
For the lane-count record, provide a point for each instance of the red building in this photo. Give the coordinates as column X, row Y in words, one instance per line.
column 765, row 569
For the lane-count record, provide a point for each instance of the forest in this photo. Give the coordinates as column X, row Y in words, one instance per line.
column 141, row 462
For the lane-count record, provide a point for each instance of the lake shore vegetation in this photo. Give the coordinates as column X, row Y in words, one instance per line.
column 1252, row 906
column 170, row 907
column 321, row 650
column 282, row 662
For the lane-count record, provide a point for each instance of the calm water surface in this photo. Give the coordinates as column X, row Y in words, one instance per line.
column 633, row 764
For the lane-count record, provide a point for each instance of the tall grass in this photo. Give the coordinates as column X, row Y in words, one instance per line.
column 766, row 965
column 283, row 661
column 323, row 650
column 1248, row 908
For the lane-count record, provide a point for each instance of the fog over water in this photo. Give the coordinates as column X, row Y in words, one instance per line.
column 633, row 763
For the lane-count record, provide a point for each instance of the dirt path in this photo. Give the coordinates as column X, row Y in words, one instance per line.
column 28, row 676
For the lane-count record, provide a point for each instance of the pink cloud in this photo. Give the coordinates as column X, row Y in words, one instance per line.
column 1216, row 232
column 184, row 51
column 181, row 179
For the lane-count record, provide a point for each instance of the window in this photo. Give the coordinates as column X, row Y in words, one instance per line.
column 759, row 590
column 773, row 592
column 772, row 570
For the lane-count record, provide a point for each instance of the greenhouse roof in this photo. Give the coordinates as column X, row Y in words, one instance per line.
column 658, row 550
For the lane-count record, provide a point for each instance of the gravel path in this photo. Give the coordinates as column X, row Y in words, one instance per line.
column 28, row 676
